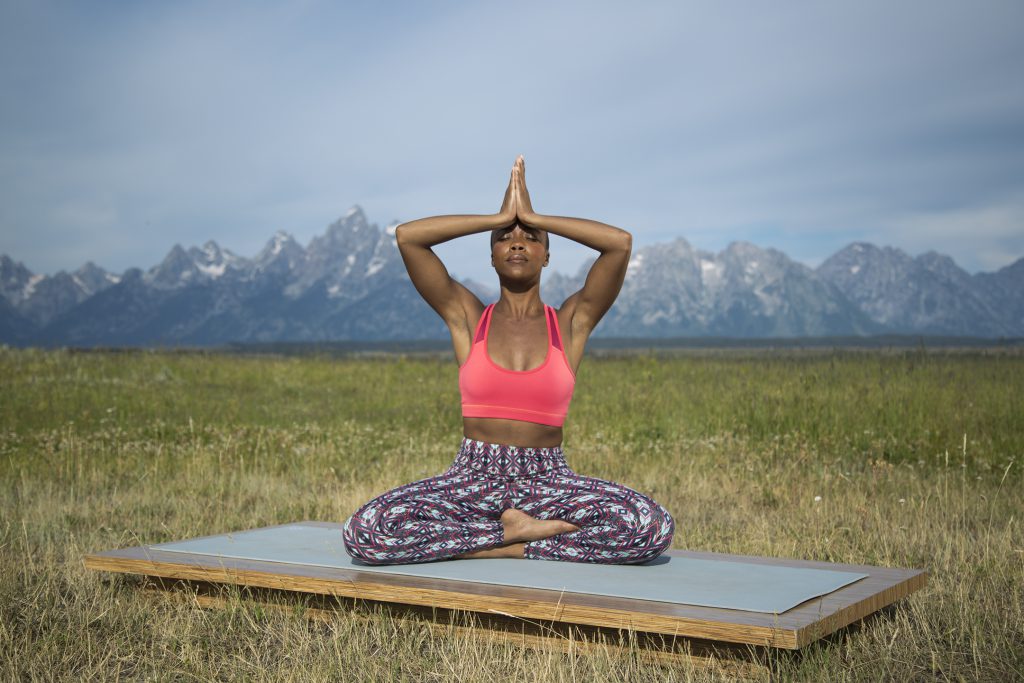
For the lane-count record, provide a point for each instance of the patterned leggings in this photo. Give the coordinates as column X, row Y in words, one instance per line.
column 459, row 512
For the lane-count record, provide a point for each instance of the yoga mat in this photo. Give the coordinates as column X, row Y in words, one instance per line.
column 707, row 583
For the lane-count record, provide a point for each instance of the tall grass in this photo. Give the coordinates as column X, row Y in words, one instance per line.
column 909, row 459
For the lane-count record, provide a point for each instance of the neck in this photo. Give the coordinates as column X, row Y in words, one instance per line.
column 520, row 305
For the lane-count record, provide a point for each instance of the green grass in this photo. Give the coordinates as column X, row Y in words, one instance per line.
column 916, row 457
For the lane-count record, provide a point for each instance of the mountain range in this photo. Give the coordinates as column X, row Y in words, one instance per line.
column 351, row 284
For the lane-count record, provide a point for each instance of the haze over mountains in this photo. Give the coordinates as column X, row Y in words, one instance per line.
column 350, row 284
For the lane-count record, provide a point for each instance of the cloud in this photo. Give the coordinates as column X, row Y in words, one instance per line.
column 984, row 237
column 798, row 126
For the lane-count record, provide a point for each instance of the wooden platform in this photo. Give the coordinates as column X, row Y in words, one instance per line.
column 676, row 627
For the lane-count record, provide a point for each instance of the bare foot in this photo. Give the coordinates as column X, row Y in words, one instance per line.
column 521, row 527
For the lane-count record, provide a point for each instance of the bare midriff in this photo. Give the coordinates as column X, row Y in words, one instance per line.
column 512, row 432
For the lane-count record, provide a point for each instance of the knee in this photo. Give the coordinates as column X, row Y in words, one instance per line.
column 654, row 537
column 358, row 545
column 666, row 529
column 348, row 537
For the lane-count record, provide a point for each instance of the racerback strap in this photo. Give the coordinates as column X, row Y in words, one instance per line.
column 556, row 340
column 481, row 327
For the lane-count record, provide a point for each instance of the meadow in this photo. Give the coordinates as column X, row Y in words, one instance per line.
column 903, row 458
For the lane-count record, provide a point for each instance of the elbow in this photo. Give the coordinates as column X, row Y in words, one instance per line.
column 627, row 241
column 402, row 235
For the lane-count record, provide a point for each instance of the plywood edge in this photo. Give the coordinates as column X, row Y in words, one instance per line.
column 771, row 636
column 912, row 581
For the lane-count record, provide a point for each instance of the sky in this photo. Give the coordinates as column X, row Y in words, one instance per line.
column 129, row 127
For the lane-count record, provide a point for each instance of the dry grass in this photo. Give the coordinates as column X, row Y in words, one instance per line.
column 916, row 459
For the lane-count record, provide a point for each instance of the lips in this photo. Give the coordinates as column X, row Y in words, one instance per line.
column 516, row 259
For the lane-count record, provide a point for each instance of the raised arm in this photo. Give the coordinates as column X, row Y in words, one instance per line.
column 450, row 299
column 604, row 281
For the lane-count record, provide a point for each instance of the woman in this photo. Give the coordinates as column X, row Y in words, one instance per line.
column 509, row 492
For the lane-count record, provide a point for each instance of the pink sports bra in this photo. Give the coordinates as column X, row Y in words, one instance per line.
column 539, row 395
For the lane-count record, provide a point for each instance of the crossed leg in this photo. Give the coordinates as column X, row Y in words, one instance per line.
column 617, row 525
column 432, row 519
column 557, row 515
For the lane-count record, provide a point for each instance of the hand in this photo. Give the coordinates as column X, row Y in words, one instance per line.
column 524, row 208
column 508, row 205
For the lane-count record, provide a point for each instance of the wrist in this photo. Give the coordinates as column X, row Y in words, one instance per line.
column 529, row 218
column 503, row 219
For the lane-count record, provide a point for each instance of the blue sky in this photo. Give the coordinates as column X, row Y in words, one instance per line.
column 128, row 127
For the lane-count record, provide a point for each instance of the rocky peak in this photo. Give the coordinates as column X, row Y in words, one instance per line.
column 91, row 278
column 212, row 261
column 1005, row 289
column 929, row 294
column 14, row 279
column 943, row 267
column 864, row 272
column 349, row 236
column 282, row 250
column 648, row 261
column 343, row 258
column 350, row 228
column 177, row 269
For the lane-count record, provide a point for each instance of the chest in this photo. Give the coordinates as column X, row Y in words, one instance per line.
column 525, row 348
column 518, row 345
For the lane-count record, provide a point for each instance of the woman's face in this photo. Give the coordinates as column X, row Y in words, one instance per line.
column 519, row 250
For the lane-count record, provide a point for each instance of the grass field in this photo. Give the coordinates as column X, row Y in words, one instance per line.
column 907, row 459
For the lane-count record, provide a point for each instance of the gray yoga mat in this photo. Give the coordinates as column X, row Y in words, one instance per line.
column 707, row 583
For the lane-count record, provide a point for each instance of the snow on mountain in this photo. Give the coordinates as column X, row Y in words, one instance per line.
column 350, row 242
column 350, row 283
column 281, row 255
column 212, row 261
column 91, row 278
column 40, row 298
column 15, row 279
column 675, row 290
